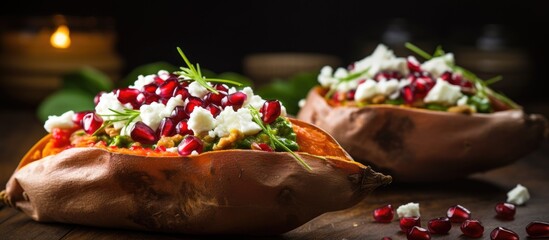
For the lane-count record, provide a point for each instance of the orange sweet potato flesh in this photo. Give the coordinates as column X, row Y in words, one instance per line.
column 423, row 145
column 219, row 192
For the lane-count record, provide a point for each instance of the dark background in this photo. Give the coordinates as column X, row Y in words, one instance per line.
column 220, row 34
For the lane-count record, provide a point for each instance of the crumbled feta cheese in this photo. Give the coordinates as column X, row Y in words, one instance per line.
column 201, row 120
column 172, row 150
column 366, row 90
column 151, row 115
column 142, row 81
column 347, row 85
column 462, row 101
column 325, row 77
column 163, row 74
column 109, row 101
column 301, row 102
column 387, row 88
column 382, row 59
column 197, row 90
column 63, row 121
column 193, row 153
column 518, row 195
column 341, row 73
column 437, row 66
column 171, row 104
column 443, row 92
column 408, row 210
column 240, row 120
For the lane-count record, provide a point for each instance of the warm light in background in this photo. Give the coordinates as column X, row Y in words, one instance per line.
column 61, row 37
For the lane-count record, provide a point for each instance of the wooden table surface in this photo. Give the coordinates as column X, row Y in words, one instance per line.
column 479, row 193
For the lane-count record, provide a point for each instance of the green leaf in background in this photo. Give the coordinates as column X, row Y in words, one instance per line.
column 289, row 91
column 151, row 68
column 87, row 79
column 63, row 101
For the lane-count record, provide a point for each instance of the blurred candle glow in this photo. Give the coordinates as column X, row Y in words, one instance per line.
column 61, row 37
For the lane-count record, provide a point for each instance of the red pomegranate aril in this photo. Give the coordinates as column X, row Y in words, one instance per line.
column 91, row 122
column 139, row 100
column 384, row 214
column 458, row 214
column 215, row 98
column 61, row 137
column 418, row 233
column 351, row 95
column 413, row 64
column 78, row 116
column 182, row 128
column 382, row 75
column 270, row 111
column 221, row 87
column 166, row 89
column 407, row 94
column 184, row 92
column 440, row 225
column 406, row 223
column 261, row 146
column 166, row 128
column 505, row 210
column 501, row 233
column 189, row 144
column 143, row 134
column 472, row 228
column 214, row 109
column 151, row 98
column 236, row 100
column 160, row 149
column 446, row 76
column 127, row 95
column 179, row 114
column 192, row 103
column 150, row 88
column 538, row 229
column 97, row 97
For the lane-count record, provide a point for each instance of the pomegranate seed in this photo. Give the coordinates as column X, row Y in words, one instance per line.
column 143, row 134
column 505, row 210
column 406, row 223
column 351, row 67
column 77, row 117
column 446, row 76
column 418, row 233
column 458, row 214
column 501, row 233
column 189, row 144
column 270, row 111
column 166, row 89
column 472, row 228
column 184, row 92
column 215, row 98
column 538, row 229
column 178, row 114
column 382, row 75
column 422, row 85
column 182, row 128
column 440, row 225
column 407, row 94
column 166, row 128
column 413, row 64
column 351, row 95
column 150, row 88
column 221, row 87
column 127, row 95
column 61, row 137
column 160, row 149
column 151, row 98
column 158, row 80
column 193, row 102
column 97, row 97
column 214, row 109
column 236, row 100
column 91, row 122
column 338, row 96
column 384, row 214
column 139, row 100
column 261, row 146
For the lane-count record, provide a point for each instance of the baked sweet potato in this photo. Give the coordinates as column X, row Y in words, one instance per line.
column 416, row 144
column 217, row 192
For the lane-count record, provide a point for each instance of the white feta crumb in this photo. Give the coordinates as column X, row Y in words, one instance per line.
column 142, row 81
column 151, row 115
column 518, row 195
column 341, row 73
column 301, row 102
column 240, row 120
column 193, row 153
column 387, row 88
column 63, row 121
column 462, row 101
column 366, row 90
column 408, row 210
column 171, row 104
column 197, row 90
column 437, row 66
column 201, row 120
column 109, row 101
column 163, row 74
column 172, row 149
column 443, row 92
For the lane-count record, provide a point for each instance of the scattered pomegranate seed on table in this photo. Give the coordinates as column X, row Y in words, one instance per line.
column 407, row 223
column 458, row 214
column 501, row 233
column 538, row 229
column 472, row 228
column 384, row 214
column 440, row 225
column 505, row 211
column 418, row 233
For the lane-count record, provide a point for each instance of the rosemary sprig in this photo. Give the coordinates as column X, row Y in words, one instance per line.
column 274, row 140
column 127, row 115
column 349, row 77
column 194, row 73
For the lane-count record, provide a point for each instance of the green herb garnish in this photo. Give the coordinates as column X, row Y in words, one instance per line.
column 194, row 73
column 418, row 50
column 274, row 140
column 348, row 78
column 127, row 115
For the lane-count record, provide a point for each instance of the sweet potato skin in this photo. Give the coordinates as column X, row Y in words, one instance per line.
column 423, row 145
column 221, row 192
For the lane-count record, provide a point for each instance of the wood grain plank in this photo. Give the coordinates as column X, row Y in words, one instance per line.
column 21, row 226
column 6, row 213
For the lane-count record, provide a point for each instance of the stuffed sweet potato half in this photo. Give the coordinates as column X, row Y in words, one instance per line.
column 176, row 154
column 420, row 122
